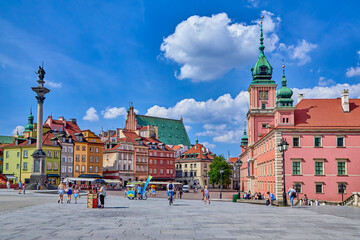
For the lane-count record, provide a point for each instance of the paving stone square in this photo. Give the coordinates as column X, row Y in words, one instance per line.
column 39, row 216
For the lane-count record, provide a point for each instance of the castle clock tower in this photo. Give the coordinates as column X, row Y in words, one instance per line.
column 262, row 96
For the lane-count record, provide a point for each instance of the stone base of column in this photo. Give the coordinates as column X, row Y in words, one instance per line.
column 35, row 178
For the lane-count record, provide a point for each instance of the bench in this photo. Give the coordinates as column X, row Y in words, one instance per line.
column 253, row 201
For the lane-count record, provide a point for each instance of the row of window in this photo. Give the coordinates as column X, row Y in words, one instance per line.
column 319, row 187
column 65, row 159
column 266, row 169
column 141, row 168
column 161, row 154
column 178, row 166
column 319, row 167
column 65, row 169
column 83, row 158
column 340, row 141
column 67, row 149
column 25, row 154
column 168, row 171
column 91, row 168
column 161, row 162
column 84, row 149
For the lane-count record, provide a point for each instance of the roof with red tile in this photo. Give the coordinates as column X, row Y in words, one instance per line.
column 46, row 141
column 233, row 159
column 326, row 113
column 200, row 150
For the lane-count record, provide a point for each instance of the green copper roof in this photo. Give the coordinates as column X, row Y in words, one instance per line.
column 30, row 126
column 284, row 94
column 244, row 139
column 262, row 71
column 171, row 131
column 6, row 139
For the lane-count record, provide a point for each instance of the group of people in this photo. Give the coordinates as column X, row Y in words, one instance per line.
column 21, row 186
column 68, row 189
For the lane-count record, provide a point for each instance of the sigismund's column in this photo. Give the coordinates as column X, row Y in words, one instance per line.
column 39, row 155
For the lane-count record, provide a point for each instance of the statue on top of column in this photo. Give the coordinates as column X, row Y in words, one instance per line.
column 41, row 73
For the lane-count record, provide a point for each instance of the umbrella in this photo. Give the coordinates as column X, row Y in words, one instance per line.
column 99, row 181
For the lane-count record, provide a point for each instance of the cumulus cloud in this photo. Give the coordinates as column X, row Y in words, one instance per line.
column 353, row 72
column 208, row 145
column 54, row 84
column 300, row 52
column 18, row 129
column 91, row 115
column 333, row 91
column 208, row 47
column 111, row 113
column 325, row 82
column 223, row 109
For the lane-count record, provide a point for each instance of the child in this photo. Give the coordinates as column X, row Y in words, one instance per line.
column 76, row 194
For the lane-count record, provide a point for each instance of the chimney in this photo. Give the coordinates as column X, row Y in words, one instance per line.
column 61, row 118
column 345, row 100
column 73, row 120
column 300, row 97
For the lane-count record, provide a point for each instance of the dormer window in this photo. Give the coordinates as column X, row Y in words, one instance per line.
column 263, row 69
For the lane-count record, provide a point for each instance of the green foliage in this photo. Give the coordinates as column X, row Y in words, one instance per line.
column 214, row 173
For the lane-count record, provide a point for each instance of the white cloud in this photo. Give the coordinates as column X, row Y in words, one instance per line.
column 188, row 128
column 111, row 113
column 353, row 72
column 19, row 129
column 333, row 91
column 208, row 47
column 300, row 52
column 91, row 115
column 208, row 145
column 224, row 109
column 54, row 84
column 253, row 3
column 325, row 82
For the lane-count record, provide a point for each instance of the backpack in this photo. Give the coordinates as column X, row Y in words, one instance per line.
column 170, row 187
column 294, row 194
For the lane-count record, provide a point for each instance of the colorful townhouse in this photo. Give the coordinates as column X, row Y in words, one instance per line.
column 88, row 155
column 18, row 161
column 4, row 140
column 323, row 137
column 192, row 166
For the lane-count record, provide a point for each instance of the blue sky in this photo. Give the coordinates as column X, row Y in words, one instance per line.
column 171, row 59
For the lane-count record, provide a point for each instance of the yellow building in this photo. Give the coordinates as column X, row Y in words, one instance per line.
column 192, row 166
column 88, row 154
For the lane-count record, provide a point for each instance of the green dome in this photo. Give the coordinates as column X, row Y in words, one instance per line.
column 284, row 94
column 30, row 126
column 244, row 139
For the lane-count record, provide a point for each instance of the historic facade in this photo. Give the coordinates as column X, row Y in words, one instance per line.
column 193, row 165
column 323, row 137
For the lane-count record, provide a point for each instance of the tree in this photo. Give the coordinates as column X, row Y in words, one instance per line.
column 214, row 173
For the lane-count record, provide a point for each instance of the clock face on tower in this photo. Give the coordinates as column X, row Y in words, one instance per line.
column 263, row 95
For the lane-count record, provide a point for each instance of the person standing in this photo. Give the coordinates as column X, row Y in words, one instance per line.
column 61, row 192
column 38, row 185
column 69, row 192
column 8, row 184
column 170, row 191
column 292, row 195
column 102, row 192
column 206, row 195
column 20, row 186
column 76, row 194
column 24, row 188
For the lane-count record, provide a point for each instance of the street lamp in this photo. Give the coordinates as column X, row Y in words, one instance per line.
column 283, row 146
column 239, row 164
column 221, row 173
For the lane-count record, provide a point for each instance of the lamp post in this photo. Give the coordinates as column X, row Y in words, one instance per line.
column 221, row 173
column 283, row 146
column 239, row 164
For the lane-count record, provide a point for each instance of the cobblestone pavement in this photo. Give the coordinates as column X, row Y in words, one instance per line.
column 121, row 218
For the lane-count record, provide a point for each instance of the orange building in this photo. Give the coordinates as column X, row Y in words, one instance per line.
column 88, row 155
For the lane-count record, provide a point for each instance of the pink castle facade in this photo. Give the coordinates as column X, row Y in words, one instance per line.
column 323, row 137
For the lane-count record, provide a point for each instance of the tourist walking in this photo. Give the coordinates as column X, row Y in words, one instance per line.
column 206, row 195
column 24, row 188
column 61, row 192
column 102, row 192
column 8, row 184
column 69, row 192
column 20, row 186
column 292, row 195
column 76, row 194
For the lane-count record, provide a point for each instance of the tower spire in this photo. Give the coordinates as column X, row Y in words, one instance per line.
column 283, row 80
column 262, row 47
